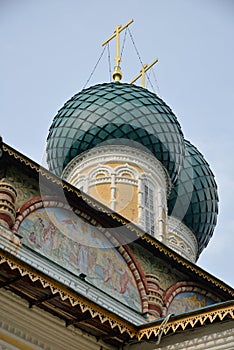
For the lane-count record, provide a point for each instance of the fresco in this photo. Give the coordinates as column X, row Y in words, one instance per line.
column 26, row 187
column 188, row 301
column 63, row 237
column 166, row 274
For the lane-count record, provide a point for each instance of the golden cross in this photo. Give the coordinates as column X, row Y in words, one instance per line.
column 117, row 74
column 142, row 73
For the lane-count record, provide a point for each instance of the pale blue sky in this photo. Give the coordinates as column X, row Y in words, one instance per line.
column 49, row 48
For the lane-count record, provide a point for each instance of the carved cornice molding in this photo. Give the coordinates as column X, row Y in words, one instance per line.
column 124, row 154
column 40, row 330
column 191, row 320
column 48, row 332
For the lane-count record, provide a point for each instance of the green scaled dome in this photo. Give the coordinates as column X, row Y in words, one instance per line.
column 119, row 113
column 194, row 199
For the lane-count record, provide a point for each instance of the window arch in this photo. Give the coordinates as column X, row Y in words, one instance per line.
column 105, row 170
column 126, row 174
column 99, row 174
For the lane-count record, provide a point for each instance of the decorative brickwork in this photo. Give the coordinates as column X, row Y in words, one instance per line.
column 155, row 296
column 7, row 204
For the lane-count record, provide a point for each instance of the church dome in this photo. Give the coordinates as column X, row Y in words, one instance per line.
column 116, row 113
column 194, row 199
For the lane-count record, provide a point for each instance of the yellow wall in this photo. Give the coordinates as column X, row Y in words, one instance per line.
column 127, row 201
column 126, row 198
column 101, row 192
column 126, row 194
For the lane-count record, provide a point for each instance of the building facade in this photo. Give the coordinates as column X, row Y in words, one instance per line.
column 99, row 250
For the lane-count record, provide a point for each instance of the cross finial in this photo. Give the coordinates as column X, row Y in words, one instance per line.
column 142, row 73
column 117, row 74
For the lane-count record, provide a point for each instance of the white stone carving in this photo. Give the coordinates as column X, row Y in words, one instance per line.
column 124, row 154
column 181, row 239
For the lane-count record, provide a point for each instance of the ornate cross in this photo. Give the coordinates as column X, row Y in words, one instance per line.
column 117, row 74
column 142, row 73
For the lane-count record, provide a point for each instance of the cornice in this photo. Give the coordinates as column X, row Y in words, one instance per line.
column 201, row 317
column 38, row 329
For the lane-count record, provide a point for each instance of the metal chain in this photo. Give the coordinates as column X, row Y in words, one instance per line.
column 109, row 61
column 156, row 82
column 149, row 81
column 125, row 34
column 142, row 64
column 135, row 47
column 149, row 78
column 95, row 67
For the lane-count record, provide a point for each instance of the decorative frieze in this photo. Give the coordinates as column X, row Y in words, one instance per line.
column 123, row 154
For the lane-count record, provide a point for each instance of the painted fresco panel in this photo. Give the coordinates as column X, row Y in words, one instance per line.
column 79, row 247
column 166, row 274
column 26, row 187
column 187, row 301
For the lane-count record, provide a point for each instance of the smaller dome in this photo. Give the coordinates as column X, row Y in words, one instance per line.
column 194, row 199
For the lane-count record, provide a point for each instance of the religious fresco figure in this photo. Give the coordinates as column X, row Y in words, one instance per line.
column 80, row 248
column 47, row 238
column 187, row 301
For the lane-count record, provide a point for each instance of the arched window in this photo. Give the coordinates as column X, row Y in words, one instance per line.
column 149, row 207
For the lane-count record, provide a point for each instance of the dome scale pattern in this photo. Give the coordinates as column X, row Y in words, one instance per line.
column 117, row 113
column 194, row 199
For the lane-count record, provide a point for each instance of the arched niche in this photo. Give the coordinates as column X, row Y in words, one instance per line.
column 187, row 296
column 81, row 246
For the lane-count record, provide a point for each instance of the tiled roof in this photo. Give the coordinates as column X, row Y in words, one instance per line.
column 194, row 199
column 115, row 113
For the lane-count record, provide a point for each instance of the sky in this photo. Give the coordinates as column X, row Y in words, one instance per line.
column 49, row 49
